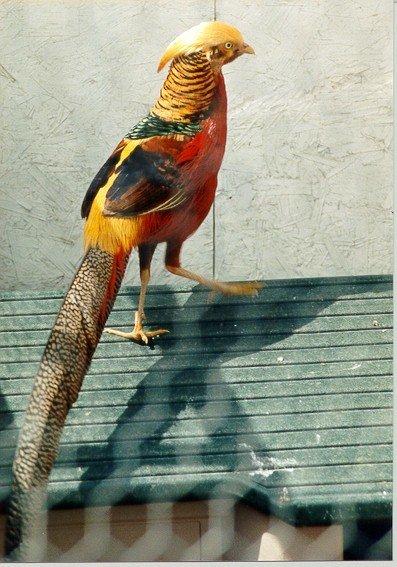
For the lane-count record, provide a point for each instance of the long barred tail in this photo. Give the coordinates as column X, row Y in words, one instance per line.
column 65, row 361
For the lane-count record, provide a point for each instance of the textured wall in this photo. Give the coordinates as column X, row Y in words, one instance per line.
column 307, row 179
column 306, row 184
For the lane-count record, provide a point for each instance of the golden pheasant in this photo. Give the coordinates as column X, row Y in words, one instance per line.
column 158, row 185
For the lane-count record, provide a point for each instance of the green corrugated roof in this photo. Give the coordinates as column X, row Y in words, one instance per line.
column 283, row 400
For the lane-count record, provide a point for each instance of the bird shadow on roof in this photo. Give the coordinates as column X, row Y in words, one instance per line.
column 203, row 421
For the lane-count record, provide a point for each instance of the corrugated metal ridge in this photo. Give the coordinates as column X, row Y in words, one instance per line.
column 182, row 287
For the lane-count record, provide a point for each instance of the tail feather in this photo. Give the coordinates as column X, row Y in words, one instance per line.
column 65, row 361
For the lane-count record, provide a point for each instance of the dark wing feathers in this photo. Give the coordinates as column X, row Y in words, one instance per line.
column 147, row 181
column 101, row 178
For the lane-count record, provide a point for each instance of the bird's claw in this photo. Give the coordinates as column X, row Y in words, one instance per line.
column 142, row 336
column 137, row 335
column 238, row 288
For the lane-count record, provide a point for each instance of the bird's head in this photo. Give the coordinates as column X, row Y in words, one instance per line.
column 220, row 42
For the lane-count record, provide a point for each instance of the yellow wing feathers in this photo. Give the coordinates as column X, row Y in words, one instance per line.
column 111, row 234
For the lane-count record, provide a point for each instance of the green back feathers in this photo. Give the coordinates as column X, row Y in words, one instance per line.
column 154, row 126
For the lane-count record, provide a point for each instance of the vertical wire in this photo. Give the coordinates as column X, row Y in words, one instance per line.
column 214, row 203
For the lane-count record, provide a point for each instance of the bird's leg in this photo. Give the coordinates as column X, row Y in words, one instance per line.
column 172, row 262
column 138, row 334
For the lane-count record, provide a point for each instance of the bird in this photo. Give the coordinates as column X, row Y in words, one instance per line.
column 157, row 186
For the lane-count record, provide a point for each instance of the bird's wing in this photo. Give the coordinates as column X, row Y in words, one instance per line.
column 143, row 176
column 101, row 178
column 147, row 180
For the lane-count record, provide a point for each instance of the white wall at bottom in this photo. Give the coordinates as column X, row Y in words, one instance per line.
column 216, row 530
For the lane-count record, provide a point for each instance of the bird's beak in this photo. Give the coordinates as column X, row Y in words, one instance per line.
column 247, row 49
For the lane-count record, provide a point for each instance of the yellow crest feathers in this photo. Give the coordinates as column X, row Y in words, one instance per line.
column 203, row 36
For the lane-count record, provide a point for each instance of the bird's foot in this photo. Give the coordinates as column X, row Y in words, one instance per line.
column 238, row 288
column 138, row 335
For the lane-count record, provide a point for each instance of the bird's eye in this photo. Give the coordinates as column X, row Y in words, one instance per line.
column 228, row 45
